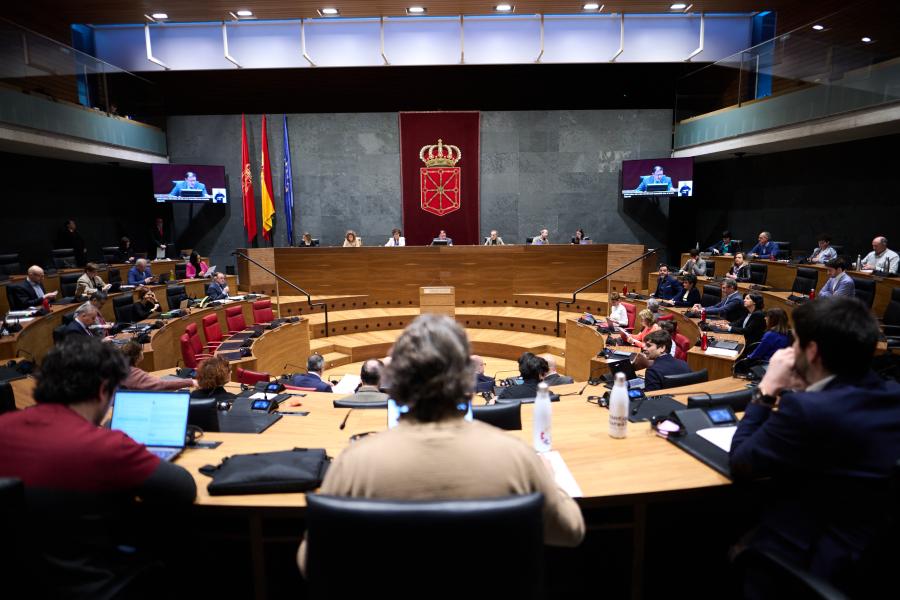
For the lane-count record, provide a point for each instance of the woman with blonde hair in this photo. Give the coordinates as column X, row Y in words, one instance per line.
column 648, row 325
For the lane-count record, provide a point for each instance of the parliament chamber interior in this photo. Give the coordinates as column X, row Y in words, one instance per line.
column 538, row 299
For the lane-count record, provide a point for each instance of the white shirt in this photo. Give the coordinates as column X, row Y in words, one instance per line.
column 887, row 261
column 820, row 384
column 37, row 288
column 618, row 314
column 400, row 242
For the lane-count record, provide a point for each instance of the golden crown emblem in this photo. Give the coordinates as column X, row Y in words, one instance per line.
column 440, row 155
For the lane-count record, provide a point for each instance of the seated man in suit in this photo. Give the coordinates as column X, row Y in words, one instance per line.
column 695, row 265
column 829, row 448
column 658, row 347
column 30, row 293
column 60, row 452
column 765, row 248
column 656, row 177
column 667, row 287
column 483, row 383
column 731, row 308
column 190, row 183
column 140, row 273
column 85, row 317
column 531, row 369
column 839, row 283
column 90, row 282
column 315, row 364
column 551, row 377
column 368, row 391
column 218, row 289
column 442, row 237
column 494, row 239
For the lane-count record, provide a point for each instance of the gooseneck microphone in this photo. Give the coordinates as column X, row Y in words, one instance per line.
column 344, row 422
column 579, row 392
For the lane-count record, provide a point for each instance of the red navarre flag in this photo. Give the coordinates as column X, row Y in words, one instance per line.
column 247, row 185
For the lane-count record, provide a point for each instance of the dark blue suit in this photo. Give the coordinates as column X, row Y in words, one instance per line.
column 484, row 383
column 75, row 328
column 310, row 381
column 215, row 292
column 730, row 309
column 135, row 277
column 830, row 454
column 693, row 297
column 768, row 250
column 771, row 342
column 667, row 287
column 665, row 364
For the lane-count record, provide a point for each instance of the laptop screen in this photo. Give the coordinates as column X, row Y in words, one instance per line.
column 152, row 418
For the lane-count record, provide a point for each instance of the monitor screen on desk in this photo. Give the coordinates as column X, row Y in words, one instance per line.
column 190, row 183
column 440, row 242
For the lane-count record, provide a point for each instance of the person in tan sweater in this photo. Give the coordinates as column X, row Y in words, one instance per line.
column 139, row 379
column 434, row 454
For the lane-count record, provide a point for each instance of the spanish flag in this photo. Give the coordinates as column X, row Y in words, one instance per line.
column 268, row 204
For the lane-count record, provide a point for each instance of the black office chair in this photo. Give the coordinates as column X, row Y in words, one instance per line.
column 737, row 400
column 7, row 398
column 782, row 578
column 67, row 285
column 9, row 264
column 891, row 319
column 507, row 415
column 181, row 271
column 807, row 279
column 712, row 294
column 670, row 381
column 59, row 334
column 528, row 240
column 759, row 273
column 203, row 412
column 865, row 290
column 63, row 258
column 404, row 548
column 710, row 268
column 110, row 254
column 113, row 276
column 120, row 304
column 174, row 295
column 784, row 250
column 343, row 403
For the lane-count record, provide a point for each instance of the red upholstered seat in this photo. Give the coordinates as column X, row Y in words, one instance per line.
column 191, row 358
column 665, row 317
column 629, row 310
column 682, row 345
column 262, row 311
column 234, row 318
column 251, row 377
column 212, row 330
column 196, row 342
column 300, row 389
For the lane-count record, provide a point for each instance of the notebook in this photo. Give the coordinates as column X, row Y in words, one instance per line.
column 156, row 419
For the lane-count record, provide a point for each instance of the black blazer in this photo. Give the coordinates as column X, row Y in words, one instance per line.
column 23, row 296
column 75, row 328
column 741, row 273
column 666, row 364
column 527, row 389
column 692, row 299
column 142, row 310
column 484, row 383
column 219, row 393
column 754, row 330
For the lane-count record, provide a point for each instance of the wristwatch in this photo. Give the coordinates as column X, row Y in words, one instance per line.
column 758, row 397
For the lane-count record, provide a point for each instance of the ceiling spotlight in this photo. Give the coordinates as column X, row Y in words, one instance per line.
column 818, row 27
column 867, row 40
column 245, row 13
column 678, row 6
column 415, row 10
column 591, row 6
column 329, row 12
column 160, row 16
column 503, row 8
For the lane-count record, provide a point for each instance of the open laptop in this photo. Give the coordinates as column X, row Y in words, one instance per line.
column 626, row 367
column 156, row 419
column 657, row 187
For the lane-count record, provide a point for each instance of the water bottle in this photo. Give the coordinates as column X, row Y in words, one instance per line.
column 704, row 342
column 542, row 419
column 703, row 315
column 859, row 262
column 625, row 290
column 618, row 408
column 812, row 294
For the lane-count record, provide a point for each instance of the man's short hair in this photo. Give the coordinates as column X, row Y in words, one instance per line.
column 76, row 369
column 823, row 237
column 844, row 330
column 726, row 234
column 85, row 309
column 882, row 240
column 99, row 296
column 140, row 261
column 315, row 363
column 766, row 234
column 837, row 263
column 660, row 338
column 694, row 252
column 667, row 325
column 430, row 371
column 729, row 283
column 656, row 168
column 653, row 305
column 370, row 373
column 531, row 366
column 91, row 267
column 661, row 265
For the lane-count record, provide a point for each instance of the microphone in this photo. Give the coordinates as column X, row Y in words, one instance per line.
column 344, row 422
column 579, row 392
column 286, row 365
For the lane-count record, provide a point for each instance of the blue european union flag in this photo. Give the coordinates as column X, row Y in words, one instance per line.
column 288, row 187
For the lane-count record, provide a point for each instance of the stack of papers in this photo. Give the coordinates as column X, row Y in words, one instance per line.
column 720, row 352
column 347, row 384
column 19, row 314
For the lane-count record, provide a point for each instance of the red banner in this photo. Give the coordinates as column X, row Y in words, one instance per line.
column 439, row 176
column 247, row 186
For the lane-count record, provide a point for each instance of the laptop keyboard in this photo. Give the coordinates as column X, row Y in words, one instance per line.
column 166, row 454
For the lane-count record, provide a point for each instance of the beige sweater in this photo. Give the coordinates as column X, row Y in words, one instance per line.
column 451, row 459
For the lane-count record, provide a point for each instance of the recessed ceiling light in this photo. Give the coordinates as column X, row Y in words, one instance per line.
column 415, row 10
column 591, row 6
column 330, row 12
column 867, row 39
column 818, row 27
column 160, row 16
column 245, row 13
column 503, row 7
column 678, row 6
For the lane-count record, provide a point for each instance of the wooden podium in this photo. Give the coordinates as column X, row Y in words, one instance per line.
column 583, row 342
column 439, row 299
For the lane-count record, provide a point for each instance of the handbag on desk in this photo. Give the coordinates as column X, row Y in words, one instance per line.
column 297, row 470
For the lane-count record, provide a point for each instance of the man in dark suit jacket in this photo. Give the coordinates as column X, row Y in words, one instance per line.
column 315, row 364
column 731, row 307
column 531, row 369
column 218, row 289
column 85, row 316
column 657, row 347
column 667, row 287
column 29, row 293
column 829, row 448
column 551, row 377
column 483, row 383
